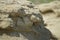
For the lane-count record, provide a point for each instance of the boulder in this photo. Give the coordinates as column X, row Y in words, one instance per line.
column 22, row 18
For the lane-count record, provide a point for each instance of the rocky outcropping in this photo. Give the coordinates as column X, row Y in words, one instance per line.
column 51, row 15
column 22, row 18
column 50, row 7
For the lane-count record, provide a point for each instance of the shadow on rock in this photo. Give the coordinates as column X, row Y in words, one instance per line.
column 41, row 34
column 9, row 33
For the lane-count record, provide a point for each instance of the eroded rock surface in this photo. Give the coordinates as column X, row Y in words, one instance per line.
column 52, row 19
column 21, row 21
column 50, row 7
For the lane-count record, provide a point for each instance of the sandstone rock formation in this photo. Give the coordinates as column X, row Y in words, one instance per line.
column 51, row 16
column 22, row 18
column 50, row 7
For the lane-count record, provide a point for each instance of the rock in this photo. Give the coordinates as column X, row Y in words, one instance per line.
column 57, row 12
column 45, row 7
column 48, row 7
column 5, row 21
column 23, row 18
column 35, row 19
column 56, row 8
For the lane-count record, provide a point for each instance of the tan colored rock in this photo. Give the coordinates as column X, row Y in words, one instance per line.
column 47, row 7
column 35, row 19
column 57, row 12
column 5, row 23
column 2, row 16
column 23, row 20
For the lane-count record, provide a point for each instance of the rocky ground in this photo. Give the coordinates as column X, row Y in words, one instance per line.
column 25, row 21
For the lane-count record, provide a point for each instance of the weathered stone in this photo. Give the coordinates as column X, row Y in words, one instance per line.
column 57, row 12
column 48, row 7
column 23, row 18
column 5, row 21
column 35, row 19
column 45, row 7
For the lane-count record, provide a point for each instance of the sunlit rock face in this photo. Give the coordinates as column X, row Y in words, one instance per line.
column 23, row 19
column 48, row 7
column 51, row 15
